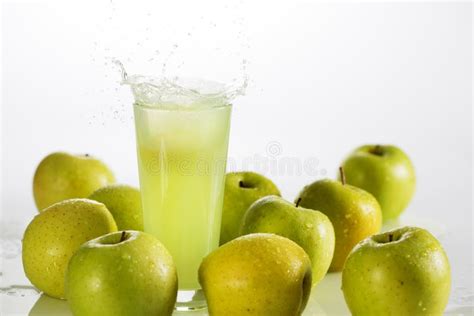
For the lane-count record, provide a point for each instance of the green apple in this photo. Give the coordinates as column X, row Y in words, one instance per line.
column 62, row 176
column 122, row 273
column 256, row 274
column 241, row 190
column 55, row 234
column 310, row 229
column 384, row 171
column 124, row 202
column 401, row 272
column 354, row 213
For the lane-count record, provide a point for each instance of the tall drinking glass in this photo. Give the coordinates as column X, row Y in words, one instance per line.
column 182, row 155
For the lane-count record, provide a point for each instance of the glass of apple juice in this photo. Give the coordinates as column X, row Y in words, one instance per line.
column 182, row 153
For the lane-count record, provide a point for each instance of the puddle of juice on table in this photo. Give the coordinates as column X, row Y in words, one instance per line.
column 19, row 290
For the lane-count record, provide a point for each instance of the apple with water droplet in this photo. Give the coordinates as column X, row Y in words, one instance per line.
column 256, row 275
column 401, row 272
column 386, row 172
column 310, row 229
column 122, row 273
column 241, row 190
column 354, row 213
column 61, row 176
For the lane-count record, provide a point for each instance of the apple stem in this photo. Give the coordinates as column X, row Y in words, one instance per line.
column 122, row 237
column 342, row 174
column 390, row 237
column 298, row 202
column 377, row 150
column 244, row 186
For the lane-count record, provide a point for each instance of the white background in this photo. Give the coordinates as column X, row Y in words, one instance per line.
column 323, row 79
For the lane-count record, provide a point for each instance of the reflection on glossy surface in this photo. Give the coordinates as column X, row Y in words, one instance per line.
column 328, row 296
column 201, row 312
column 312, row 308
column 48, row 306
column 326, row 299
column 322, row 302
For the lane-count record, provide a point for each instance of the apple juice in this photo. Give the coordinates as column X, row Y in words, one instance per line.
column 182, row 154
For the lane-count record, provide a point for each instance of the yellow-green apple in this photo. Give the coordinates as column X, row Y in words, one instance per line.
column 354, row 213
column 241, row 190
column 62, row 176
column 310, row 229
column 124, row 202
column 256, row 274
column 122, row 273
column 55, row 234
column 386, row 172
column 401, row 272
